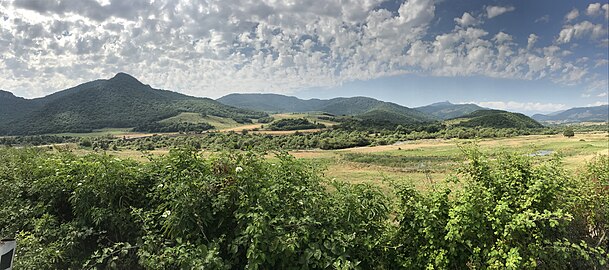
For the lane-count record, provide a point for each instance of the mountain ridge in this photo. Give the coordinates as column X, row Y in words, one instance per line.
column 576, row 114
column 340, row 106
column 119, row 102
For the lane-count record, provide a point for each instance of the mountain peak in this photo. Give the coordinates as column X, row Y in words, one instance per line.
column 6, row 94
column 125, row 78
column 443, row 103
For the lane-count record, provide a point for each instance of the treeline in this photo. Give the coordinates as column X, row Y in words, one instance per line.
column 336, row 138
column 36, row 140
column 326, row 139
column 173, row 127
column 294, row 124
column 242, row 211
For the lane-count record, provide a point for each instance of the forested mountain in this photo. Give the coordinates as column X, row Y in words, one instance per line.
column 574, row 115
column 11, row 107
column 361, row 107
column 447, row 110
column 121, row 101
column 272, row 102
column 496, row 119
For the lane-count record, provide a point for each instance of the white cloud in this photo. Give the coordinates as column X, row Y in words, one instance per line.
column 544, row 19
column 581, row 30
column 522, row 106
column 572, row 15
column 596, row 9
column 215, row 47
column 601, row 62
column 598, row 103
column 531, row 41
column 494, row 11
column 603, row 94
column 467, row 20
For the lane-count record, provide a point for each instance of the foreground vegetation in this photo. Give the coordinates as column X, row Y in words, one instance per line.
column 242, row 210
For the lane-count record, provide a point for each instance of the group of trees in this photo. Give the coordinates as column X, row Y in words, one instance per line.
column 173, row 127
column 294, row 124
column 243, row 211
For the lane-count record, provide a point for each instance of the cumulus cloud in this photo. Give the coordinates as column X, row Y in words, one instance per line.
column 531, row 41
column 494, row 11
column 596, row 9
column 210, row 48
column 572, row 15
column 581, row 30
column 466, row 20
column 522, row 106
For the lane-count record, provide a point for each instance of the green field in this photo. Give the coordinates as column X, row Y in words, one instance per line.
column 430, row 161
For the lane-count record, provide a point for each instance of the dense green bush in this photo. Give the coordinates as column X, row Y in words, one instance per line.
column 244, row 211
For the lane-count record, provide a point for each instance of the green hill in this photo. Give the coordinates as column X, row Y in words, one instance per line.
column 121, row 101
column 12, row 107
column 271, row 103
column 361, row 107
column 446, row 110
column 496, row 119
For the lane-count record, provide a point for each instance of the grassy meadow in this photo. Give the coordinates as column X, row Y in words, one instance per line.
column 423, row 162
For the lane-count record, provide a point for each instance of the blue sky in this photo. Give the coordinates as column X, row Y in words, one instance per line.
column 526, row 56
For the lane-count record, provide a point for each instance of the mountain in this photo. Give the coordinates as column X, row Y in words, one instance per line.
column 271, row 103
column 575, row 115
column 121, row 101
column 11, row 107
column 446, row 110
column 361, row 107
column 496, row 119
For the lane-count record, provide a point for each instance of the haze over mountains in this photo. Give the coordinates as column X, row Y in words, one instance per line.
column 125, row 102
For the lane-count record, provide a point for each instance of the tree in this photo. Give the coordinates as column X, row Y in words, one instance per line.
column 568, row 132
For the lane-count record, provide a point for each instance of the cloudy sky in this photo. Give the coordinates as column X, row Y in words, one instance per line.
column 528, row 56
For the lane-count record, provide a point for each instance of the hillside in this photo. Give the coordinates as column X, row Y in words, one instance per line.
column 496, row 119
column 575, row 115
column 360, row 107
column 446, row 110
column 271, row 103
column 121, row 101
column 11, row 107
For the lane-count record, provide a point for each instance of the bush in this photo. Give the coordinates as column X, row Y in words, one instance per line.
column 568, row 132
column 241, row 210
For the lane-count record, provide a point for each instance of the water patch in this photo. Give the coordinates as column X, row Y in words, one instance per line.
column 541, row 153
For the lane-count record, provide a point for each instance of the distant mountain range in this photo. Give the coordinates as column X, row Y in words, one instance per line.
column 363, row 107
column 125, row 102
column 446, row 110
column 275, row 103
column 121, row 101
column 575, row 115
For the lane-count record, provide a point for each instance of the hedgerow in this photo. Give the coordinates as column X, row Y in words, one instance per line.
column 242, row 210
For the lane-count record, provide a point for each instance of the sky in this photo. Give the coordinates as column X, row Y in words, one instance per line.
column 525, row 56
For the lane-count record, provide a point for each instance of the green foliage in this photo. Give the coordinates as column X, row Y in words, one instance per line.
column 568, row 132
column 294, row 124
column 244, row 211
column 173, row 127
column 510, row 214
